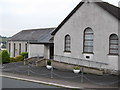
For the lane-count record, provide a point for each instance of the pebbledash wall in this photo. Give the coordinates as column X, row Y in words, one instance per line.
column 11, row 50
column 103, row 25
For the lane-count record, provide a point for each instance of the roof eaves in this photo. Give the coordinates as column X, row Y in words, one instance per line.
column 41, row 43
column 113, row 10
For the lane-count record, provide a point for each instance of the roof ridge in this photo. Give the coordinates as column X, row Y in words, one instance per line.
column 39, row 29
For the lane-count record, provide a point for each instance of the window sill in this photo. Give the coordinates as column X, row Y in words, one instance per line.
column 67, row 51
column 87, row 53
column 113, row 54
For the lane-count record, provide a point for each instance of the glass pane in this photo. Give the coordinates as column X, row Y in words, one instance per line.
column 114, row 51
column 88, row 31
column 114, row 36
column 67, row 37
column 67, row 49
column 114, row 41
column 88, row 43
column 89, row 36
column 67, row 41
column 88, row 49
column 114, row 46
column 67, row 45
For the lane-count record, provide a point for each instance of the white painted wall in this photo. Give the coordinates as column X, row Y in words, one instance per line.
column 17, row 47
column 46, row 52
column 102, row 23
column 36, row 50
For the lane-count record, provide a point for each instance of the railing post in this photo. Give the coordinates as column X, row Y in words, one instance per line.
column 82, row 75
column 52, row 72
column 24, row 60
column 28, row 70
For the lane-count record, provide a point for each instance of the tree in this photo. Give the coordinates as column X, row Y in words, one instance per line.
column 4, row 57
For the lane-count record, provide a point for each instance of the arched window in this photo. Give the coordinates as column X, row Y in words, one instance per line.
column 88, row 41
column 113, row 44
column 67, row 43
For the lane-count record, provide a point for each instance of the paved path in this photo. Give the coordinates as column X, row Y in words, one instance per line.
column 60, row 77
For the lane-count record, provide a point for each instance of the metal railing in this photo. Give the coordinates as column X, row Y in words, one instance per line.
column 55, row 73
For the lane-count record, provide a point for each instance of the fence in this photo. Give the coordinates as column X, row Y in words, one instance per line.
column 31, row 70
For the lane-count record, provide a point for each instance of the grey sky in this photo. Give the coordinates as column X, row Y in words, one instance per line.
column 16, row 15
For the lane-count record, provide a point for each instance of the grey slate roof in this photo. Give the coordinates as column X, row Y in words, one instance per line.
column 33, row 35
column 46, row 38
column 113, row 10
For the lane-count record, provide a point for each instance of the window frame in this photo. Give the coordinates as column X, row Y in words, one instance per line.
column 113, row 44
column 84, row 40
column 67, row 45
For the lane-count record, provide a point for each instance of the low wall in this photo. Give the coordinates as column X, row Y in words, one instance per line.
column 66, row 66
column 60, row 65
column 41, row 63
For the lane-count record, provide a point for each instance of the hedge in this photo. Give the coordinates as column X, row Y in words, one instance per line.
column 12, row 59
column 19, row 58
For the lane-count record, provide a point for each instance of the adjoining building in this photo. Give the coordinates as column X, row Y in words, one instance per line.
column 36, row 42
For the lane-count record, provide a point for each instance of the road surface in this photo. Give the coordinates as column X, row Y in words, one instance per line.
column 12, row 83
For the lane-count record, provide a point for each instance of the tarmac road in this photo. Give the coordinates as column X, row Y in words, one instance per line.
column 12, row 83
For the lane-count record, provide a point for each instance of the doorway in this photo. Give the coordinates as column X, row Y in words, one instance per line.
column 51, row 51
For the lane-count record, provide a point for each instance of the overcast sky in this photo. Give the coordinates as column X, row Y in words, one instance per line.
column 17, row 15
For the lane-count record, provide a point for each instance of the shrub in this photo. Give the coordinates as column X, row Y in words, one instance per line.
column 12, row 59
column 76, row 68
column 49, row 62
column 19, row 58
column 0, row 57
column 4, row 57
column 24, row 54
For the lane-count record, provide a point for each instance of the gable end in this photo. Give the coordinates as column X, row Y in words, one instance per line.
column 113, row 10
column 67, row 18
